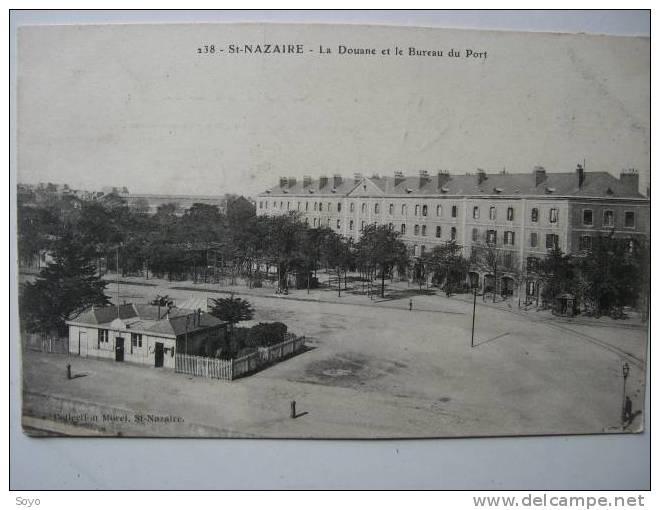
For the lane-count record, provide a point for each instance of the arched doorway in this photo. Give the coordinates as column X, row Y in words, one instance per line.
column 489, row 283
column 508, row 285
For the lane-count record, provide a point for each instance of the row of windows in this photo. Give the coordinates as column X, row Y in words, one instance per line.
column 317, row 206
column 553, row 213
column 608, row 218
column 585, row 243
column 508, row 239
column 104, row 337
column 492, row 213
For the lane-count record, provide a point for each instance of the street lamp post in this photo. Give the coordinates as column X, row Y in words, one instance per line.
column 625, row 370
column 474, row 310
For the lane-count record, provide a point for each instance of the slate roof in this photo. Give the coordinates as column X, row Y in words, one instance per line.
column 595, row 184
column 143, row 318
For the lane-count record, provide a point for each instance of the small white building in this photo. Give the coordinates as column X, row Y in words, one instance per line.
column 145, row 334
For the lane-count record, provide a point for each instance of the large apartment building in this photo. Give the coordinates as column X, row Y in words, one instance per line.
column 523, row 214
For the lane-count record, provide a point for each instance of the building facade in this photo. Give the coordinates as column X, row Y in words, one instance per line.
column 145, row 334
column 521, row 215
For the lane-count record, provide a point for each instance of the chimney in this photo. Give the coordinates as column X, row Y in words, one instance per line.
column 399, row 178
column 292, row 182
column 443, row 178
column 630, row 179
column 423, row 178
column 357, row 177
column 580, row 175
column 307, row 181
column 336, row 180
column 323, row 181
column 539, row 175
column 481, row 175
column 282, row 182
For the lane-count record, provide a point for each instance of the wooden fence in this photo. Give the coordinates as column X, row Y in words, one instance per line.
column 204, row 367
column 234, row 368
column 276, row 352
column 45, row 343
column 246, row 364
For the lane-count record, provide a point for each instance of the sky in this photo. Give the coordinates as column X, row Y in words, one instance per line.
column 139, row 106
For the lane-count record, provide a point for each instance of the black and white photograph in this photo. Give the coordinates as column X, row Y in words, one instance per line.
column 331, row 231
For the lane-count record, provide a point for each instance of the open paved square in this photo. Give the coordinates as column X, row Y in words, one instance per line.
column 374, row 369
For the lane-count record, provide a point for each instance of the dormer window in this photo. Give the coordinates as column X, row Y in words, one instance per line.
column 444, row 189
column 285, row 190
column 268, row 191
column 609, row 191
column 333, row 190
column 311, row 190
column 409, row 190
column 549, row 190
column 497, row 190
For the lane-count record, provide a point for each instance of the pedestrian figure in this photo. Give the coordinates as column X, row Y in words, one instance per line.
column 627, row 411
column 68, row 371
column 410, row 305
column 293, row 409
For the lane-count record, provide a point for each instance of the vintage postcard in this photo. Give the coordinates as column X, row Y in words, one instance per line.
column 318, row 231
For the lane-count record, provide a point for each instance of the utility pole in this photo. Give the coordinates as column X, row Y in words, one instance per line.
column 117, row 281
column 474, row 310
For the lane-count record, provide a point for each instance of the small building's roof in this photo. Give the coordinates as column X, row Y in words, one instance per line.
column 148, row 319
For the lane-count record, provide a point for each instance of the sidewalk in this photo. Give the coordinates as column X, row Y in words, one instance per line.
column 511, row 305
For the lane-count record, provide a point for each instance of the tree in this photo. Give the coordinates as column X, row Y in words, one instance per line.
column 495, row 260
column 240, row 210
column 282, row 243
column 380, row 249
column 35, row 226
column 613, row 271
column 64, row 289
column 557, row 271
column 447, row 263
column 232, row 310
column 335, row 253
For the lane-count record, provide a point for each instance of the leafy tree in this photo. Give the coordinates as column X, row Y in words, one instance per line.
column 63, row 289
column 265, row 334
column 558, row 272
column 239, row 211
column 381, row 250
column 282, row 236
column 613, row 271
column 447, row 263
column 232, row 310
column 36, row 227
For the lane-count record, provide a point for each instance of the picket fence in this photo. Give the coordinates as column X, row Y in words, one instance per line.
column 204, row 367
column 45, row 343
column 281, row 350
column 233, row 368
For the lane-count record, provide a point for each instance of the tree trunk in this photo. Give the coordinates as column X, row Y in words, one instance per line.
column 494, row 284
